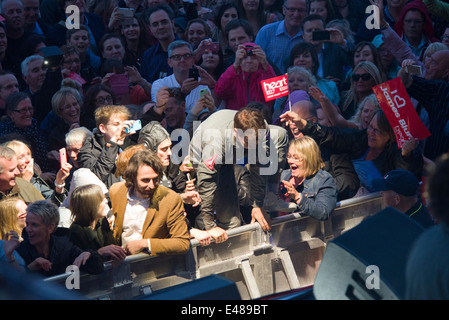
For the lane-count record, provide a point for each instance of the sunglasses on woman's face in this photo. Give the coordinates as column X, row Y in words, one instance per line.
column 364, row 76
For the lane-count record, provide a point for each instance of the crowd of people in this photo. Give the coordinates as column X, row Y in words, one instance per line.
column 210, row 153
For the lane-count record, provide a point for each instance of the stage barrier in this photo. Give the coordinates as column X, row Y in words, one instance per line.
column 260, row 263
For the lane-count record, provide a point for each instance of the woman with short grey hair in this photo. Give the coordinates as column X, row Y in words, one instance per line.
column 48, row 254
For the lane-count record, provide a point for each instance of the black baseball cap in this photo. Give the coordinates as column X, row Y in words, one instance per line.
column 400, row 181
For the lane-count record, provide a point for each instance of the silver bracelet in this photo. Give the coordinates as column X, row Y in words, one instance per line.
column 61, row 186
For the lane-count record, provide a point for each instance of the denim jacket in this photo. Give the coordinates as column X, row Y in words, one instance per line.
column 318, row 194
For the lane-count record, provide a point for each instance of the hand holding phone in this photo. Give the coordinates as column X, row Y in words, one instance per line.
column 63, row 157
column 321, row 35
column 128, row 15
column 137, row 125
column 203, row 92
column 415, row 69
column 193, row 73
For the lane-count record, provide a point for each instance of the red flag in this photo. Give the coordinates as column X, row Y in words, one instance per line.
column 274, row 88
column 400, row 112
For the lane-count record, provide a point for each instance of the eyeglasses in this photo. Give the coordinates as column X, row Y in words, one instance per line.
column 177, row 57
column 294, row 158
column 444, row 37
column 24, row 111
column 377, row 132
column 294, row 10
column 365, row 77
column 101, row 100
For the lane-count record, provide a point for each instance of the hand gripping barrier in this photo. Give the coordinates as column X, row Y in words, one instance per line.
column 260, row 263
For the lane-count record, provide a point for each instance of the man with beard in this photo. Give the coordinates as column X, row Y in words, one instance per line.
column 148, row 216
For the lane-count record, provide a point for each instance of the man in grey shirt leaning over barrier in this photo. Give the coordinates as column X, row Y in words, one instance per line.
column 231, row 137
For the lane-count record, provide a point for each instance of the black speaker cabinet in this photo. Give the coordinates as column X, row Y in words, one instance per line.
column 213, row 287
column 368, row 262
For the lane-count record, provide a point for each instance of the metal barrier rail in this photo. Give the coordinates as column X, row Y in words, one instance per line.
column 260, row 263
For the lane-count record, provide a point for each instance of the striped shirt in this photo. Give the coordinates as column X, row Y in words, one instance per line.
column 434, row 96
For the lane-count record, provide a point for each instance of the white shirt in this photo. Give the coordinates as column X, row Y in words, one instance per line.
column 135, row 214
column 171, row 82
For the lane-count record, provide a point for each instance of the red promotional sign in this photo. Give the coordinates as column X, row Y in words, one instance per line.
column 275, row 87
column 400, row 112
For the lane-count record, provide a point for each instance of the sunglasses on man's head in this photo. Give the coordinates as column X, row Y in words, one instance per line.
column 364, row 76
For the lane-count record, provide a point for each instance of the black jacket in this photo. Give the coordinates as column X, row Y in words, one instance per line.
column 342, row 170
column 59, row 129
column 354, row 142
column 62, row 254
column 335, row 60
column 41, row 99
column 100, row 157
column 87, row 238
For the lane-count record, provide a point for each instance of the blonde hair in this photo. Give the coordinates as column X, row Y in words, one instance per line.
column 357, row 117
column 60, row 97
column 351, row 94
column 309, row 152
column 8, row 216
column 85, row 202
column 16, row 145
column 104, row 113
column 308, row 76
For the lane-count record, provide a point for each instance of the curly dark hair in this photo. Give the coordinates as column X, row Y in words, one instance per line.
column 142, row 157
